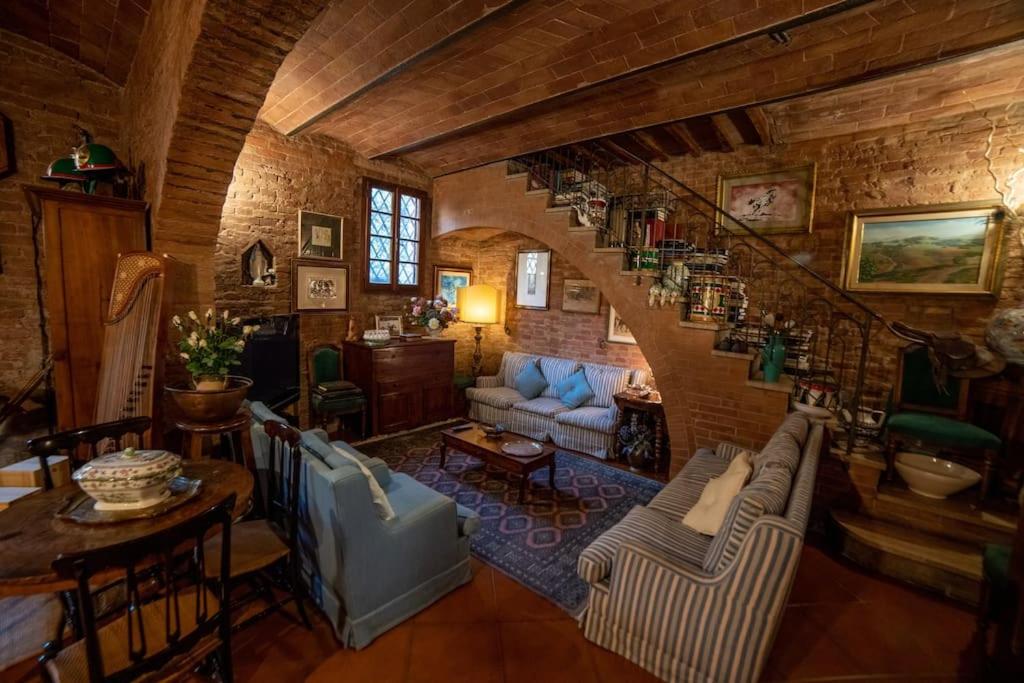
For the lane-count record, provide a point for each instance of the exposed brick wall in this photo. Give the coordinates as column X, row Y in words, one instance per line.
column 44, row 93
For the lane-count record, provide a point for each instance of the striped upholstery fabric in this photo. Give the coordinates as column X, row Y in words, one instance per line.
column 605, row 381
column 703, row 466
column 797, row 426
column 499, row 397
column 554, row 371
column 589, row 430
column 488, row 382
column 639, row 376
column 548, row 407
column 782, row 450
column 676, row 499
column 512, row 363
column 648, row 529
column 533, row 425
column 595, row 419
column 481, row 412
column 684, row 623
column 728, row 451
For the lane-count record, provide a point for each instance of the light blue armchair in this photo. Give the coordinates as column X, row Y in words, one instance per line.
column 366, row 574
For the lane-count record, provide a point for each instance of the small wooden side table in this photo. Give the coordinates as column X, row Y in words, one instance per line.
column 234, row 437
column 651, row 406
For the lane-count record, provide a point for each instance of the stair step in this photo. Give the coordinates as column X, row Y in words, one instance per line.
column 748, row 356
column 953, row 518
column 565, row 208
column 642, row 273
column 699, row 325
column 516, row 176
column 949, row 567
column 609, row 250
column 538, row 192
column 582, row 228
column 783, row 386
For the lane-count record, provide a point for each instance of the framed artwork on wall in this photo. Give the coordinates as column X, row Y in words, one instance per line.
column 777, row 202
column 581, row 296
column 7, row 165
column 934, row 249
column 391, row 323
column 320, row 235
column 447, row 279
column 533, row 279
column 618, row 332
column 318, row 286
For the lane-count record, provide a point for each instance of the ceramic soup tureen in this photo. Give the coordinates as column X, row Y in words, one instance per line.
column 129, row 479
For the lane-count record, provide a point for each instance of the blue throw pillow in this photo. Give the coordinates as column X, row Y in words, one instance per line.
column 574, row 391
column 530, row 382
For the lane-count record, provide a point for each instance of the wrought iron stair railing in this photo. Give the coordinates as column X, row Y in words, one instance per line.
column 715, row 268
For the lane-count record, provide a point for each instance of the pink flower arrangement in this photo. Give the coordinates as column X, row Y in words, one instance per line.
column 433, row 314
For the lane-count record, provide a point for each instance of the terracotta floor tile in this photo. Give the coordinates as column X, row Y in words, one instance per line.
column 516, row 602
column 455, row 653
column 803, row 650
column 611, row 668
column 540, row 651
column 816, row 582
column 385, row 660
column 472, row 602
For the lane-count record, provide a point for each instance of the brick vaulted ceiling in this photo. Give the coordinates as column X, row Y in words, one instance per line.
column 450, row 85
column 102, row 34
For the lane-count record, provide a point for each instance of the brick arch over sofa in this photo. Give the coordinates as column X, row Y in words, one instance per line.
column 707, row 398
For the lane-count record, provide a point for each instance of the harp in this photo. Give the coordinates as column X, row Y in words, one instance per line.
column 135, row 338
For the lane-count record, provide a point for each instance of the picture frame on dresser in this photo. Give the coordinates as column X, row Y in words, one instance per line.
column 533, row 279
column 321, row 235
column 391, row 323
column 319, row 287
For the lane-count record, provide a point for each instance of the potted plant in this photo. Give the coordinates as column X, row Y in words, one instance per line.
column 210, row 347
column 434, row 315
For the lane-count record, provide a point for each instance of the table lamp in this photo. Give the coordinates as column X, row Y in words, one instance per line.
column 478, row 305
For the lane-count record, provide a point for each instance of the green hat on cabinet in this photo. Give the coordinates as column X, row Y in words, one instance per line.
column 92, row 156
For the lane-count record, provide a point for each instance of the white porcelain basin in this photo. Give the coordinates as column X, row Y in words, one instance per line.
column 934, row 477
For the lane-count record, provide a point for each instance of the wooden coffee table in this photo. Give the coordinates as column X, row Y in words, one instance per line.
column 474, row 442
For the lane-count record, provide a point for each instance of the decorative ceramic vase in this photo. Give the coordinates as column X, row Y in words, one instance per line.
column 210, row 382
column 773, row 358
column 211, row 406
column 129, row 479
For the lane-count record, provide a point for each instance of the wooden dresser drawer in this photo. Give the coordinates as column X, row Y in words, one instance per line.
column 414, row 361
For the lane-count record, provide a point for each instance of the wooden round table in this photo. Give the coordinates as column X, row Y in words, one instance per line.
column 31, row 536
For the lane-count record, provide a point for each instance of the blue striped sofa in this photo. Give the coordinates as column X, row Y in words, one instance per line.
column 588, row 429
column 689, row 607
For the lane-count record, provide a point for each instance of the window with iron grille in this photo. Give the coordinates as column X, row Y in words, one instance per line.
column 396, row 225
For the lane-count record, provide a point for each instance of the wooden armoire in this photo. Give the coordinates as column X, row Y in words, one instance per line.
column 81, row 238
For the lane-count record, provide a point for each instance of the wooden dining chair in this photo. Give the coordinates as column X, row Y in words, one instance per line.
column 270, row 540
column 106, row 436
column 171, row 628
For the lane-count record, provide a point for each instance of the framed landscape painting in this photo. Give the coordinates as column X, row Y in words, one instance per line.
column 943, row 249
column 320, row 235
column 447, row 279
column 581, row 296
column 319, row 287
column 781, row 201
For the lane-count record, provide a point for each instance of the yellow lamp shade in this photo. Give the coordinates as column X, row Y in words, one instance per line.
column 478, row 304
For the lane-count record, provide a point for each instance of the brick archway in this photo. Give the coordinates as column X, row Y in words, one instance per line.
column 707, row 398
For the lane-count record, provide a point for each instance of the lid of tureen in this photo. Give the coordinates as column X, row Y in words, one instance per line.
column 128, row 463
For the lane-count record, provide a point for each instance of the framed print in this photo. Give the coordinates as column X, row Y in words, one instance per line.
column 7, row 165
column 320, row 235
column 447, row 279
column 581, row 296
column 391, row 323
column 782, row 201
column 318, row 286
column 617, row 330
column 937, row 249
column 533, row 278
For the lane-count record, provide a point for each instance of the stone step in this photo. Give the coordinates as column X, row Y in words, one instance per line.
column 948, row 567
column 956, row 518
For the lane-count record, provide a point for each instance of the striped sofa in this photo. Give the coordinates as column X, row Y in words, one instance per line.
column 588, row 429
column 689, row 607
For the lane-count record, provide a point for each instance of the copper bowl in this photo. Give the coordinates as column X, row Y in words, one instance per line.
column 210, row 406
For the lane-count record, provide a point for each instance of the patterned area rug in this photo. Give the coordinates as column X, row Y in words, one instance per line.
column 536, row 543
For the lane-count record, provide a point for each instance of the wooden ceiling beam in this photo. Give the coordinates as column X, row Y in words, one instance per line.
column 649, row 138
column 617, row 151
column 729, row 138
column 681, row 133
column 634, row 141
column 762, row 124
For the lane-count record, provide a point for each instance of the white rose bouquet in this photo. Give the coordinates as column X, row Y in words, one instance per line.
column 211, row 345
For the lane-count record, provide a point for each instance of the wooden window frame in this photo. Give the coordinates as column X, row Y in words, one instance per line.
column 397, row 190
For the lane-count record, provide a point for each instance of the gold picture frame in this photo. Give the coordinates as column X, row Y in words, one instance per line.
column 770, row 203
column 929, row 249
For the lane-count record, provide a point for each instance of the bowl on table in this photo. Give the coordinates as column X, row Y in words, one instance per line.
column 129, row 479
column 494, row 432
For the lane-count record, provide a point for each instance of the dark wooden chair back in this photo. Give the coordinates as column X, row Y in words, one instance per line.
column 284, row 467
column 173, row 562
column 85, row 443
column 915, row 389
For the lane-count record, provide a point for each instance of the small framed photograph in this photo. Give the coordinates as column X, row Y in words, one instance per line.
column 935, row 249
column 447, row 279
column 581, row 296
column 319, row 287
column 533, row 279
column 320, row 235
column 777, row 202
column 618, row 332
column 391, row 323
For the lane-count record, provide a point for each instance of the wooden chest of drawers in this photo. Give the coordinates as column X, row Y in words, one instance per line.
column 407, row 383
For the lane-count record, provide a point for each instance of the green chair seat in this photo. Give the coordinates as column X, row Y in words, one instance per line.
column 942, row 430
column 328, row 404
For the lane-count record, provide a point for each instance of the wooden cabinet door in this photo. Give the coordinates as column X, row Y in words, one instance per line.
column 398, row 408
column 437, row 398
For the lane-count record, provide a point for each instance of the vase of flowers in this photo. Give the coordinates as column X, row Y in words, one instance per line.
column 210, row 347
column 433, row 315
